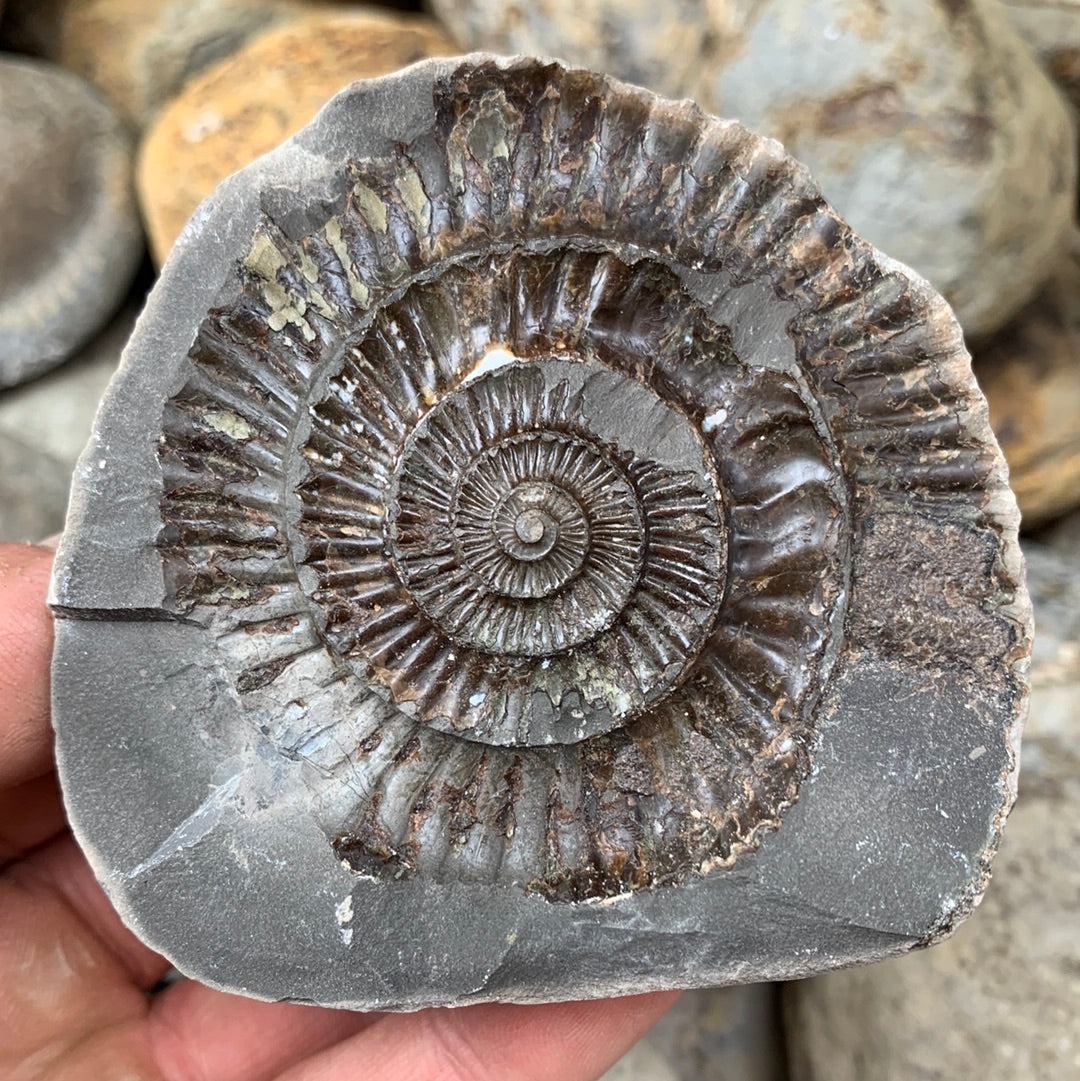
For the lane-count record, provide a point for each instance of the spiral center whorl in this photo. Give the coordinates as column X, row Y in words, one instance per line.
column 539, row 544
column 534, row 518
column 526, row 554
column 531, row 527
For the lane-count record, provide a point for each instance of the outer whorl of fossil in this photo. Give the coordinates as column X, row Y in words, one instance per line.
column 546, row 486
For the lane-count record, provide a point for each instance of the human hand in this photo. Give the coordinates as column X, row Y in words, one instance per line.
column 77, row 999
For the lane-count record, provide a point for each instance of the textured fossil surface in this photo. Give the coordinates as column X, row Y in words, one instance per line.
column 556, row 556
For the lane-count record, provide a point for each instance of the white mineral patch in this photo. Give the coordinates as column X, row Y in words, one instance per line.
column 229, row 423
column 713, row 420
column 344, row 911
column 493, row 360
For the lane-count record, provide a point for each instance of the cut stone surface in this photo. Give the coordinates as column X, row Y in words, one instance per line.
column 1000, row 1000
column 929, row 125
column 71, row 239
column 534, row 550
column 247, row 104
column 1030, row 375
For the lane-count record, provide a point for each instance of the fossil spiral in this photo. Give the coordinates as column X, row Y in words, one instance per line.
column 518, row 473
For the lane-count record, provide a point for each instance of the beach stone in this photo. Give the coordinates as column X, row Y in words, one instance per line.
column 1030, row 374
column 999, row 1001
column 929, row 125
column 44, row 425
column 1063, row 536
column 139, row 54
column 720, row 1034
column 247, row 104
column 500, row 570
column 54, row 412
column 33, row 491
column 71, row 239
column 1053, row 31
column 655, row 45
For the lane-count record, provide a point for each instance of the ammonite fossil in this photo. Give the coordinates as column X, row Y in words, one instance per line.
column 532, row 536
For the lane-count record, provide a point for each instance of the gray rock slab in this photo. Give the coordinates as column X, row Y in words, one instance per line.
column 1000, row 999
column 71, row 240
column 322, row 795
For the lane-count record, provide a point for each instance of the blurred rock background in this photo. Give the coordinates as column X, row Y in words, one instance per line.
column 944, row 130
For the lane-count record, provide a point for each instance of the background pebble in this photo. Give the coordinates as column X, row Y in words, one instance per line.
column 140, row 53
column 1030, row 375
column 43, row 428
column 1052, row 28
column 33, row 491
column 247, row 104
column 71, row 238
column 927, row 123
column 720, row 1034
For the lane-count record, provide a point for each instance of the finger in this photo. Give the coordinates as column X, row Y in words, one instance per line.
column 198, row 1032
column 567, row 1041
column 61, row 984
column 58, row 876
column 30, row 814
column 25, row 652
column 190, row 1028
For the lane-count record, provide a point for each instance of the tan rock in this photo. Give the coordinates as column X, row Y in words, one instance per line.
column 140, row 53
column 247, row 104
column 1031, row 377
column 928, row 123
column 1000, row 1000
column 1052, row 28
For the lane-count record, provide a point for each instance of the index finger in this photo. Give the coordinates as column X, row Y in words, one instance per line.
column 26, row 639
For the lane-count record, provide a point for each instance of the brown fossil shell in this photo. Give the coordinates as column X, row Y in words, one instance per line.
column 511, row 431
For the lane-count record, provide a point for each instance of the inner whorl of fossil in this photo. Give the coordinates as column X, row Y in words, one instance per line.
column 552, row 515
